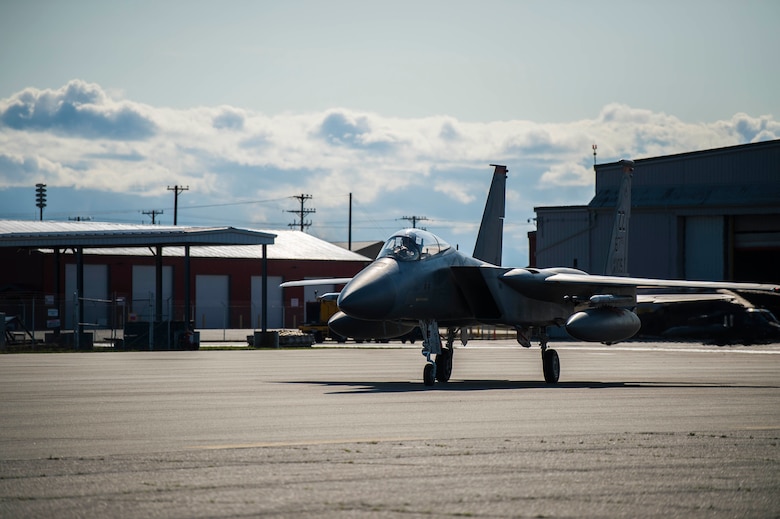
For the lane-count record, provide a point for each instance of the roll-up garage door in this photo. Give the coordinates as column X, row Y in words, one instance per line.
column 275, row 302
column 144, row 286
column 94, row 298
column 212, row 302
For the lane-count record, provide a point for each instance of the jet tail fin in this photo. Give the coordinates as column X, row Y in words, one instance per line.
column 489, row 246
column 617, row 258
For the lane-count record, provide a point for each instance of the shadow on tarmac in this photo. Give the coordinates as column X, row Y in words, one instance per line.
column 357, row 387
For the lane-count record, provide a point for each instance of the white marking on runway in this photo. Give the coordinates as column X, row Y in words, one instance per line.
column 303, row 443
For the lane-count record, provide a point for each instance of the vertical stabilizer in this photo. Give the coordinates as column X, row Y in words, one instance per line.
column 617, row 259
column 489, row 246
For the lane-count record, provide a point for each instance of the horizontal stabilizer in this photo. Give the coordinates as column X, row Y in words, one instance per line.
column 315, row 282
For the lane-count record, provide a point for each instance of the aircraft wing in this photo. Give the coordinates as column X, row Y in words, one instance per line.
column 620, row 281
column 315, row 282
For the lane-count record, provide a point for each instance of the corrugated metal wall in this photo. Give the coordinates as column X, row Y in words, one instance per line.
column 564, row 234
column 693, row 215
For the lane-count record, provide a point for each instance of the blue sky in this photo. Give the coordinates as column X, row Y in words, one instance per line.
column 403, row 104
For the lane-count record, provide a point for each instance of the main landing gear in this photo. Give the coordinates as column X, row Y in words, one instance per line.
column 551, row 364
column 439, row 367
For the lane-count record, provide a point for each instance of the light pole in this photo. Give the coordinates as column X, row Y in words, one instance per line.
column 40, row 198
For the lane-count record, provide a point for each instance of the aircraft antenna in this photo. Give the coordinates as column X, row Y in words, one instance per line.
column 302, row 212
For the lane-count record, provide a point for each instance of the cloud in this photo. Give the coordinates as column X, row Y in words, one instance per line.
column 78, row 109
column 80, row 136
column 14, row 168
column 752, row 129
column 455, row 190
column 567, row 174
column 354, row 131
column 229, row 119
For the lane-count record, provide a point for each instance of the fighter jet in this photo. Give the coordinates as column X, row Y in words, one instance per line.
column 418, row 279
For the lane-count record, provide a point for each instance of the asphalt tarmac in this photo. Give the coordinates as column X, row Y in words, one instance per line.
column 634, row 430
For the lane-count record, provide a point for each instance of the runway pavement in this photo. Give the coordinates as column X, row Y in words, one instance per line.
column 635, row 430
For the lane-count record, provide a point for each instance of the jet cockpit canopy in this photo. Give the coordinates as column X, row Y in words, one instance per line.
column 412, row 245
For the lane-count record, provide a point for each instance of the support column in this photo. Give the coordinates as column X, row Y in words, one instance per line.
column 158, row 285
column 79, row 293
column 264, row 289
column 187, row 292
column 58, row 299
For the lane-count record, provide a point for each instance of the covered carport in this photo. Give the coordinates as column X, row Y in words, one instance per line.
column 78, row 236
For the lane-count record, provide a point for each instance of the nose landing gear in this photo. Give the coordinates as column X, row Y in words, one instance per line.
column 441, row 368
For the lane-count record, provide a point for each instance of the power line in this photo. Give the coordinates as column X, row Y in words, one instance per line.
column 414, row 219
column 153, row 213
column 236, row 203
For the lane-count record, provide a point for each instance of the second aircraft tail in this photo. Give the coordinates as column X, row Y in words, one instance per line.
column 617, row 258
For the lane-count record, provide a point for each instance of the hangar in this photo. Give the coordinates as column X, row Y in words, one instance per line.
column 212, row 276
column 710, row 215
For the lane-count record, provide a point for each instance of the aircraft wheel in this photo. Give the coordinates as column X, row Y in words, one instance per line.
column 444, row 365
column 429, row 374
column 551, row 366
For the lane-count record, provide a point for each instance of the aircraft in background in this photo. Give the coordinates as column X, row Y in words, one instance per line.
column 418, row 279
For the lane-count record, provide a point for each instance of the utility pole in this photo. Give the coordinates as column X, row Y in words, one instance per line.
column 302, row 212
column 40, row 198
column 349, row 233
column 414, row 219
column 176, row 190
column 153, row 213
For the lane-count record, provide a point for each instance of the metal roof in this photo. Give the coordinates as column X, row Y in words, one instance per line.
column 288, row 245
column 743, row 177
column 134, row 240
column 45, row 234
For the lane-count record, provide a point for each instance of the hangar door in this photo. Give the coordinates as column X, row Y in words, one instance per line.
column 144, row 286
column 275, row 302
column 704, row 247
column 757, row 248
column 212, row 302
column 95, row 297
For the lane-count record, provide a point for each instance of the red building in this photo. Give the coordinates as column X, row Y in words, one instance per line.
column 38, row 283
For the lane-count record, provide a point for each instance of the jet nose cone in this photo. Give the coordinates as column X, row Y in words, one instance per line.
column 371, row 294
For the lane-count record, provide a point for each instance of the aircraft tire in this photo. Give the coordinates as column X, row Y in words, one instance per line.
column 551, row 365
column 444, row 365
column 429, row 374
